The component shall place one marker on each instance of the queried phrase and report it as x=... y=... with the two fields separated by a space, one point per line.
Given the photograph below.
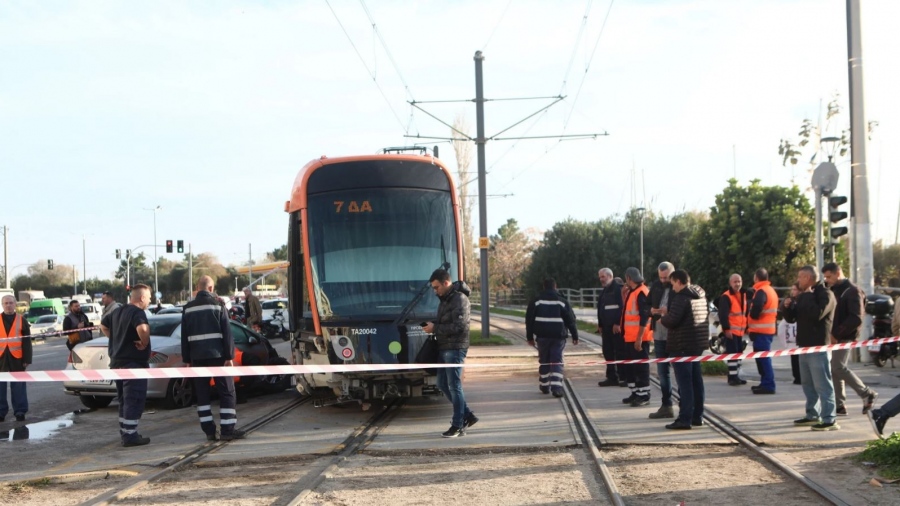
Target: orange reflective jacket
x=632 y=317
x=13 y=340
x=766 y=323
x=737 y=314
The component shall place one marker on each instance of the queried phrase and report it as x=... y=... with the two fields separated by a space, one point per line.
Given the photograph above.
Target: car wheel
x=179 y=393
x=880 y=361
x=280 y=382
x=95 y=402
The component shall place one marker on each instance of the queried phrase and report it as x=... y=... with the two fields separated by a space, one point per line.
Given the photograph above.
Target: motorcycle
x=236 y=313
x=275 y=327
x=881 y=308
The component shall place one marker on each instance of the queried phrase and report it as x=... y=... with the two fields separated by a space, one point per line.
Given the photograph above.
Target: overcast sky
x=209 y=109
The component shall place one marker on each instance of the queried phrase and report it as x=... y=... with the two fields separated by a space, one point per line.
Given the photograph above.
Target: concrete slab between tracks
x=511 y=410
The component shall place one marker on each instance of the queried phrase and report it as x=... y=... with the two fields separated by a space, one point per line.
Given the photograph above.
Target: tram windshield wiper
x=421 y=293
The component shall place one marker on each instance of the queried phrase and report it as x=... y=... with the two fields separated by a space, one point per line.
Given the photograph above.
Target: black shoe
x=453 y=431
x=212 y=437
x=20 y=418
x=869 y=401
x=797 y=381
x=629 y=399
x=676 y=425
x=558 y=393
x=470 y=420
x=140 y=441
x=623 y=384
x=545 y=390
x=2 y=418
x=841 y=411
x=608 y=383
x=807 y=421
x=877 y=419
x=640 y=400
x=734 y=382
x=237 y=434
x=826 y=426
x=763 y=391
x=697 y=423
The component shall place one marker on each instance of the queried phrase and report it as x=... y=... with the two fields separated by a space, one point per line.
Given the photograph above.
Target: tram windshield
x=372 y=250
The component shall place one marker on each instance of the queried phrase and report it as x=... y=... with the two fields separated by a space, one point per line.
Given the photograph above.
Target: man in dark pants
x=15 y=356
x=452 y=333
x=637 y=335
x=206 y=341
x=733 y=307
x=848 y=315
x=609 y=316
x=660 y=291
x=687 y=318
x=548 y=317
x=129 y=348
x=74 y=321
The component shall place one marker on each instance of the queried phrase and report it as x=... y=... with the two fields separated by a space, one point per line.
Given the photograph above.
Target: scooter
x=275 y=327
x=881 y=308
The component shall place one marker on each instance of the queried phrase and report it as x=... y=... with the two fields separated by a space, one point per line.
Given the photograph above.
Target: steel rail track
x=146 y=478
x=358 y=440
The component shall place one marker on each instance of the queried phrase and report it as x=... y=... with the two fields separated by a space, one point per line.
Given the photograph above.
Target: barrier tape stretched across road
x=266 y=370
x=63 y=332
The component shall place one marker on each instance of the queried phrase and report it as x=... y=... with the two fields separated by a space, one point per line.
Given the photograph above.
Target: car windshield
x=163 y=326
x=46 y=319
x=274 y=304
x=40 y=311
x=371 y=250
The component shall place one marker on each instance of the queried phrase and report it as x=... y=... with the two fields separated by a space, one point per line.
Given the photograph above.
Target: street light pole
x=155 y=257
x=642 y=210
x=84 y=263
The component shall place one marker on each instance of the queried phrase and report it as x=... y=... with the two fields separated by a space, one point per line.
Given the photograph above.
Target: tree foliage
x=886 y=260
x=573 y=251
x=509 y=256
x=751 y=227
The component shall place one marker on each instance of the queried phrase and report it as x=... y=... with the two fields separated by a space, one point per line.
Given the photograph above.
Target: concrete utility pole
x=6 y=255
x=190 y=269
x=483 y=241
x=84 y=262
x=859 y=204
x=250 y=266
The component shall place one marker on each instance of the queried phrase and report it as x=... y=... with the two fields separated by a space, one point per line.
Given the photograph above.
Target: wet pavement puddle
x=39 y=430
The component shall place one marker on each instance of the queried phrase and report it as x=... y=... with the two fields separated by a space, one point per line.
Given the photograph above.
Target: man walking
x=109 y=303
x=15 y=356
x=452 y=332
x=637 y=334
x=254 y=309
x=548 y=317
x=848 y=314
x=733 y=309
x=762 y=327
x=659 y=298
x=129 y=348
x=76 y=320
x=814 y=313
x=687 y=318
x=609 y=317
x=206 y=341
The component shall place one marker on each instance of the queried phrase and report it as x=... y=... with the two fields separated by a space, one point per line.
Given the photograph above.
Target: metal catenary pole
x=6 y=255
x=819 y=236
x=483 y=242
x=190 y=269
x=859 y=205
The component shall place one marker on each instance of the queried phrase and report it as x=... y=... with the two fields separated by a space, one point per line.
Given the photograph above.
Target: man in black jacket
x=452 y=332
x=660 y=291
x=548 y=316
x=847 y=320
x=814 y=313
x=687 y=318
x=609 y=314
x=206 y=341
x=76 y=320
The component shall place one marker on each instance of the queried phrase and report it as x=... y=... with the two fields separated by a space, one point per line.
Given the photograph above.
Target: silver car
x=47 y=324
x=165 y=351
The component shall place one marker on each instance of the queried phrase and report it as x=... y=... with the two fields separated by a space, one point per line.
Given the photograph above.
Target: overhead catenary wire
x=496 y=25
x=386 y=50
x=368 y=70
x=588 y=66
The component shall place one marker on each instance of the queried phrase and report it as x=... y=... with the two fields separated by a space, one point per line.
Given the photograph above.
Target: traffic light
x=834 y=215
x=180 y=246
x=128 y=253
x=168 y=245
x=118 y=254
x=50 y=265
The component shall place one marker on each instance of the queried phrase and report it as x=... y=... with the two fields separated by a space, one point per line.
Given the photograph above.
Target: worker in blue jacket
x=549 y=316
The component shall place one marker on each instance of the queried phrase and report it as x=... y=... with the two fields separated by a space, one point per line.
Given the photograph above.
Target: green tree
x=279 y=253
x=886 y=260
x=751 y=227
x=509 y=255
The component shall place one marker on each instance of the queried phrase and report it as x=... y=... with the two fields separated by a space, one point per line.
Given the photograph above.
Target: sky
x=208 y=109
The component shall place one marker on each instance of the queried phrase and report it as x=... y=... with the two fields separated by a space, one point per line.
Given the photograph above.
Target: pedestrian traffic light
x=168 y=245
x=180 y=246
x=834 y=215
x=50 y=265
x=118 y=254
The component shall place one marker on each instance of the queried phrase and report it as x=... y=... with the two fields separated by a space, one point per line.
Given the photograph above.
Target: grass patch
x=584 y=326
x=885 y=453
x=714 y=368
x=494 y=340
x=507 y=312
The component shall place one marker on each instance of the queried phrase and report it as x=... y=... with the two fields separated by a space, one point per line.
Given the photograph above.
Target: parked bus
x=365 y=234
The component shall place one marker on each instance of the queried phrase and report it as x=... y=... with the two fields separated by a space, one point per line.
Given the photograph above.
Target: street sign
x=825 y=177
x=484 y=243
x=158 y=295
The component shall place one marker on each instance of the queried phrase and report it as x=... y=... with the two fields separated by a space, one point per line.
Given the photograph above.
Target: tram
x=365 y=233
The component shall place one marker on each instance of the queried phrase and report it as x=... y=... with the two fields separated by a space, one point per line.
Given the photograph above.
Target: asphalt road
x=46 y=400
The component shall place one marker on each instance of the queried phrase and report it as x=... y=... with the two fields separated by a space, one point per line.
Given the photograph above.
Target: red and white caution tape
x=63 y=332
x=266 y=370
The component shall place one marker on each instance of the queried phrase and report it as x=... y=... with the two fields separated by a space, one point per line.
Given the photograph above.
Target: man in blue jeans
x=762 y=326
x=659 y=298
x=452 y=332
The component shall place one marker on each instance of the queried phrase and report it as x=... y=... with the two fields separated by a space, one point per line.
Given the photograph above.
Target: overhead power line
x=497 y=25
x=386 y=50
x=588 y=66
x=368 y=70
